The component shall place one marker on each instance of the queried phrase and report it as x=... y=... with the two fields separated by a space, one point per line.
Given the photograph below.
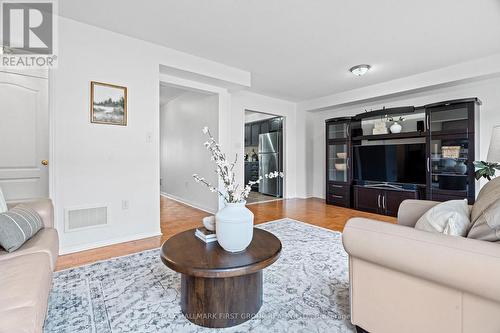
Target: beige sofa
x=26 y=276
x=407 y=280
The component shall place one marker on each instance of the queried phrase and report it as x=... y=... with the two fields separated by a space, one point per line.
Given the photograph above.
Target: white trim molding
x=118 y=240
x=188 y=203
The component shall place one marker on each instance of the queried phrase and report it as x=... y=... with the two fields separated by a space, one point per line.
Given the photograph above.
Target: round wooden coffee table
x=218 y=288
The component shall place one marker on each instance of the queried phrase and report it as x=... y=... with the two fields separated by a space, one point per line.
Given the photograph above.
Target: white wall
x=102 y=164
x=245 y=100
x=314 y=154
x=182 y=150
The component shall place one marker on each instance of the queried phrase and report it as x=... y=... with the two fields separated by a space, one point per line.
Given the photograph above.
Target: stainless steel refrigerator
x=270 y=159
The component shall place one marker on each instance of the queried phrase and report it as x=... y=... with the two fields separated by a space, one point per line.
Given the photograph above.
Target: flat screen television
x=401 y=163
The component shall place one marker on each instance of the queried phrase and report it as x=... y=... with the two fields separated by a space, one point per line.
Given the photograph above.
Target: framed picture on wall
x=108 y=104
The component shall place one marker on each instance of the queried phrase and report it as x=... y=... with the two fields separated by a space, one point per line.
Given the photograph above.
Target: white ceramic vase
x=396 y=128
x=234 y=227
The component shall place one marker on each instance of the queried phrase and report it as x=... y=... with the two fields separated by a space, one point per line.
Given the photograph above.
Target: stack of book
x=205 y=235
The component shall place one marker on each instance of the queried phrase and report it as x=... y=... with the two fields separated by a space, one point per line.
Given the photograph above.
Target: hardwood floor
x=176 y=217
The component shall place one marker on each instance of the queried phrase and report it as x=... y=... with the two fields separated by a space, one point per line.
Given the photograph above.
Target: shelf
x=449 y=174
x=385 y=111
x=405 y=135
x=435 y=188
x=448 y=158
x=448 y=120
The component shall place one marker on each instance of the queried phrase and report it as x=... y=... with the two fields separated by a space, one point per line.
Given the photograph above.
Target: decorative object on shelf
x=450 y=151
x=460 y=167
x=420 y=126
x=234 y=222
x=209 y=222
x=108 y=104
x=340 y=166
x=380 y=127
x=396 y=127
x=448 y=164
x=487 y=169
x=342 y=155
x=205 y=235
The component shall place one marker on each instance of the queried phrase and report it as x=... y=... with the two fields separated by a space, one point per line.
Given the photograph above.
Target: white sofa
x=407 y=280
x=26 y=276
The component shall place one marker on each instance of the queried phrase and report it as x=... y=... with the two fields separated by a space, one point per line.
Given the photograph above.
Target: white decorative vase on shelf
x=396 y=127
x=234 y=227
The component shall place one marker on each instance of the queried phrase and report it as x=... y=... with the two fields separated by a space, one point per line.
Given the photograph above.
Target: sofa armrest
x=42 y=206
x=411 y=210
x=461 y=263
x=45 y=241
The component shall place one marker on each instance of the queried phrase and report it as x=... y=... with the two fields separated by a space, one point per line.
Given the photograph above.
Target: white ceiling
x=302 y=49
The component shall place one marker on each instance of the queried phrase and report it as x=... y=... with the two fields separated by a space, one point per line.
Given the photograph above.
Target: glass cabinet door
x=449 y=164
x=450 y=119
x=337 y=162
x=337 y=131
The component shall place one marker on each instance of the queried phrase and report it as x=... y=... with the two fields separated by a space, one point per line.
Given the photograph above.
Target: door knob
x=45 y=162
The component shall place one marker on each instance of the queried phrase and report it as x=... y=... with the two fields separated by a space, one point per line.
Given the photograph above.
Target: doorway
x=264 y=153
x=184 y=112
x=24 y=135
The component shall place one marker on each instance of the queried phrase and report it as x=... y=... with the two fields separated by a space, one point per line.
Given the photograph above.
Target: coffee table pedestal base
x=221 y=302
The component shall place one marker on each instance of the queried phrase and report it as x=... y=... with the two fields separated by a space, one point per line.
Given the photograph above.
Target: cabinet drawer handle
x=383 y=202
x=337 y=196
x=337 y=186
x=378 y=201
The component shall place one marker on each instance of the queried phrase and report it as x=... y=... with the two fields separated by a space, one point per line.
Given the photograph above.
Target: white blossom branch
x=225 y=172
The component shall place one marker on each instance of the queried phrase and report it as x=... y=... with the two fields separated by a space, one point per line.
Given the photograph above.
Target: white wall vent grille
x=86 y=217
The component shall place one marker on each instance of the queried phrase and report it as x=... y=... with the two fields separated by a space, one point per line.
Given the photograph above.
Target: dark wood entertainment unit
x=448 y=131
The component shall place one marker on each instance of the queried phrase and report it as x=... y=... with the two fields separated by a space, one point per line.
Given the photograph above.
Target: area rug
x=306 y=290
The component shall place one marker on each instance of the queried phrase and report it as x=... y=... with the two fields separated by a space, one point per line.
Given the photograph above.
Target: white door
x=24 y=136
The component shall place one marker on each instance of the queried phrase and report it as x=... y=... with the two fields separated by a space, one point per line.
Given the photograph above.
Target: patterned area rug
x=306 y=290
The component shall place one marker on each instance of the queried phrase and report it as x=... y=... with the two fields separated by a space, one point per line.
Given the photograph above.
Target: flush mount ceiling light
x=360 y=70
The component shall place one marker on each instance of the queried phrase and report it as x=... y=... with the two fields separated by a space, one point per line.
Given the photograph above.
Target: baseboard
x=94 y=245
x=188 y=203
x=310 y=197
x=305 y=197
x=265 y=201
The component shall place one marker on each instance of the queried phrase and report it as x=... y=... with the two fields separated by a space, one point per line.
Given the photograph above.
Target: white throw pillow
x=3 y=204
x=449 y=218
